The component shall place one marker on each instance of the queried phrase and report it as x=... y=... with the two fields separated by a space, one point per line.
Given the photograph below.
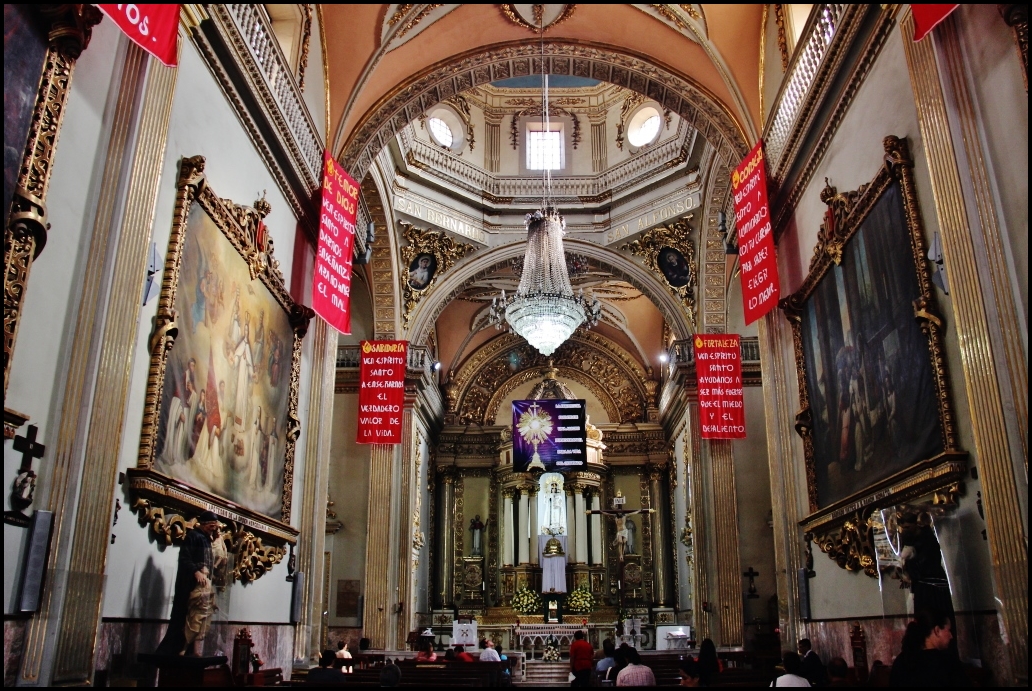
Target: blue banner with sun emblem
x=549 y=435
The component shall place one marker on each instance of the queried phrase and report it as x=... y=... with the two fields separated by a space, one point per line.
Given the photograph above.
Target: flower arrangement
x=551 y=653
x=580 y=600
x=526 y=601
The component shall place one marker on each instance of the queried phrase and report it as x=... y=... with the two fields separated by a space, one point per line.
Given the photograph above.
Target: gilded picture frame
x=255 y=358
x=669 y=251
x=876 y=417
x=426 y=256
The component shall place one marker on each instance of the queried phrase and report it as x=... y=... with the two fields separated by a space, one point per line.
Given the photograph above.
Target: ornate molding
x=25 y=233
x=535 y=23
x=677 y=236
x=593 y=359
x=700 y=109
x=441 y=247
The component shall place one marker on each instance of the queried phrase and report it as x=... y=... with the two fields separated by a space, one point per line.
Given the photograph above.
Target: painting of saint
x=421 y=271
x=674 y=267
x=865 y=354
x=225 y=399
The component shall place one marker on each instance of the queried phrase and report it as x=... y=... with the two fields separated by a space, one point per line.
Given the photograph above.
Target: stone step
x=538 y=673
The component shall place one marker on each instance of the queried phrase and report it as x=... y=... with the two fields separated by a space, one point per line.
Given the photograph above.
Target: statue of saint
x=476 y=527
x=556 y=508
x=193 y=600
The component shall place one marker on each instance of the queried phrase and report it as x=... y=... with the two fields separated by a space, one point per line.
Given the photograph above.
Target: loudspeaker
x=297 y=597
x=34 y=569
x=804 y=594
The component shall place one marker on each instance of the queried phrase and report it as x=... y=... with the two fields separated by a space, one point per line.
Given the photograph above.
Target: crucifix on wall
x=24 y=486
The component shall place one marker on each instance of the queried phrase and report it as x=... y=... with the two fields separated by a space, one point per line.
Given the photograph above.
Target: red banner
x=381 y=393
x=331 y=283
x=759 y=266
x=152 y=27
x=927 y=17
x=718 y=366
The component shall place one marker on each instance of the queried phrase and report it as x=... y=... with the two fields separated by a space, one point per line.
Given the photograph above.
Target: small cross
x=751 y=574
x=29 y=448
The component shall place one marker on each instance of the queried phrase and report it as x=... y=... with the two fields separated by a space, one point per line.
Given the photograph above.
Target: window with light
x=544 y=148
x=440 y=131
x=644 y=127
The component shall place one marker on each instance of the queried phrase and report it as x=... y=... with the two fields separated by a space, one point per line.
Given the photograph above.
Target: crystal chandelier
x=544 y=309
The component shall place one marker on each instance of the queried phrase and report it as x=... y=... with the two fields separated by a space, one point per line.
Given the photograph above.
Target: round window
x=644 y=126
x=441 y=133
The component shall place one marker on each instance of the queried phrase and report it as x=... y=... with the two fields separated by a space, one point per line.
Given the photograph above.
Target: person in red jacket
x=581 y=658
x=461 y=655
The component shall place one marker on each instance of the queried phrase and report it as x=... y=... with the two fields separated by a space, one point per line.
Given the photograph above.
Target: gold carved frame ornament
x=844 y=529
x=257 y=541
x=445 y=252
x=677 y=236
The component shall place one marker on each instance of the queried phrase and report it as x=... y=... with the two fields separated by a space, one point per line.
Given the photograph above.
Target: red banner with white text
x=381 y=392
x=761 y=287
x=152 y=27
x=331 y=281
x=718 y=368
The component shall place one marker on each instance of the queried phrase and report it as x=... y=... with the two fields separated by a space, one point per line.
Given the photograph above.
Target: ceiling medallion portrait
x=537 y=18
x=426 y=255
x=669 y=251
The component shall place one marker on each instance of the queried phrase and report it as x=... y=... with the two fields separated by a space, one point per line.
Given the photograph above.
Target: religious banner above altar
x=331 y=282
x=761 y=286
x=549 y=435
x=381 y=392
x=718 y=366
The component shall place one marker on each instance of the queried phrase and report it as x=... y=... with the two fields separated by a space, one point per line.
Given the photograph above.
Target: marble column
x=596 y=530
x=580 y=520
x=507 y=527
x=661 y=546
x=571 y=527
x=446 y=539
x=532 y=527
x=521 y=527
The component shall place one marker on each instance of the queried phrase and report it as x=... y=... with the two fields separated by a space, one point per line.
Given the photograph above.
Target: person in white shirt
x=793 y=666
x=489 y=654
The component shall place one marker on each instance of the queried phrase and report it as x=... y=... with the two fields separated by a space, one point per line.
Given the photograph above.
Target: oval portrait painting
x=421 y=271
x=674 y=267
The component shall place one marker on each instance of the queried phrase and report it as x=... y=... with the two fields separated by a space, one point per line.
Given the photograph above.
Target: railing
x=441 y=163
x=256 y=33
x=802 y=73
x=682 y=352
x=419 y=358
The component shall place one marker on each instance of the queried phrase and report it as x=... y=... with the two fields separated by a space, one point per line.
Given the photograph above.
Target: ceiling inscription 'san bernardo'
x=439 y=216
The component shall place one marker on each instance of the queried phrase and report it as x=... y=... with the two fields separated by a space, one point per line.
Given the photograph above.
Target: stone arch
x=605 y=368
x=572 y=373
x=619 y=66
x=480 y=265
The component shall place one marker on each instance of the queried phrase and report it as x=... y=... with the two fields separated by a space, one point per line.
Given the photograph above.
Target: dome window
x=441 y=132
x=644 y=127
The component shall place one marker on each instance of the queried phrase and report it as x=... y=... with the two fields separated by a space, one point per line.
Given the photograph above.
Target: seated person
x=324 y=673
x=343 y=654
x=461 y=655
x=390 y=676
x=608 y=659
x=489 y=654
x=793 y=675
x=838 y=673
x=689 y=671
x=427 y=653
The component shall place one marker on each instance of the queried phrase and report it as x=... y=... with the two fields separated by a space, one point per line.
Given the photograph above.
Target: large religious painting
x=876 y=418
x=221 y=417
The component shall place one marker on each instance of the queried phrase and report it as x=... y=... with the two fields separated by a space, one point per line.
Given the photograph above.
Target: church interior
x=547 y=220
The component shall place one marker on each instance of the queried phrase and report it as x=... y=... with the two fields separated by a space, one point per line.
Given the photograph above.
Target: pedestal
x=179 y=670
